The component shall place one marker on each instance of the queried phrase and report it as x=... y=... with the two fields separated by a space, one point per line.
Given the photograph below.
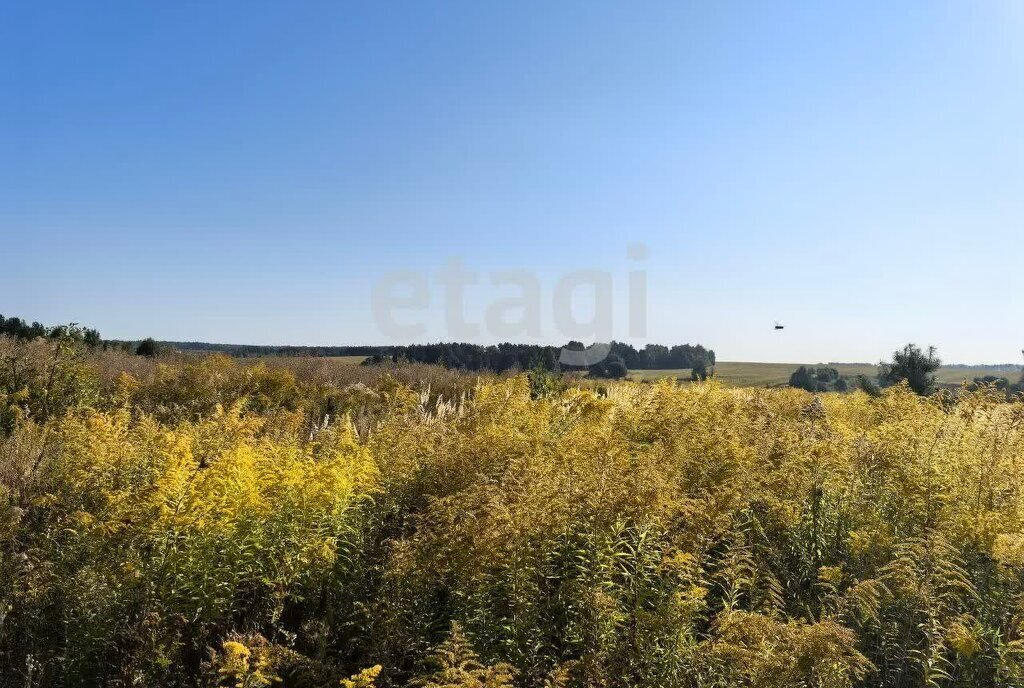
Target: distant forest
x=460 y=356
x=464 y=356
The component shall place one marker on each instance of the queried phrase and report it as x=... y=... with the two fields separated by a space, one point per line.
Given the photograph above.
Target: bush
x=823 y=379
x=42 y=379
x=701 y=370
x=148 y=347
x=612 y=367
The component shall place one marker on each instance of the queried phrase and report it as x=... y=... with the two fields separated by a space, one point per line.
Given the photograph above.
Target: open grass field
x=748 y=374
x=352 y=360
x=754 y=374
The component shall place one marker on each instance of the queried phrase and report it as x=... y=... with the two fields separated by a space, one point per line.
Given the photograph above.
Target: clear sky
x=248 y=172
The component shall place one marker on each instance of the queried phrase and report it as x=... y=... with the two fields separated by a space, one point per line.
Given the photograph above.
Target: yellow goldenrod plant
x=199 y=521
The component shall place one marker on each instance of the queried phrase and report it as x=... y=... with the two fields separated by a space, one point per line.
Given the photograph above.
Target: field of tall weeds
x=199 y=522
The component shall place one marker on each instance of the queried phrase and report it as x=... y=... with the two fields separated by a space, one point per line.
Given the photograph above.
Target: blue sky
x=248 y=172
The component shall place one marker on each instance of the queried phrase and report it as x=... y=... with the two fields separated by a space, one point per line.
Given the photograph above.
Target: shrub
x=823 y=379
x=148 y=347
x=42 y=379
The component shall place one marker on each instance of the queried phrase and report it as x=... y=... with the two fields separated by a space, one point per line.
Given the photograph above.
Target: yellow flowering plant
x=212 y=523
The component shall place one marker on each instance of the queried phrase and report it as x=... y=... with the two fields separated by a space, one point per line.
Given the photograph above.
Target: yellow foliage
x=651 y=535
x=367 y=678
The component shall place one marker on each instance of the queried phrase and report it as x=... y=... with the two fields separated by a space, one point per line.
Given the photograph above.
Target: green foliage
x=612 y=367
x=148 y=347
x=700 y=370
x=545 y=383
x=822 y=379
x=17 y=328
x=913 y=366
x=455 y=664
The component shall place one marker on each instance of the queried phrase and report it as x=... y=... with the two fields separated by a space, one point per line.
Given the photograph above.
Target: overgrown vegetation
x=194 y=521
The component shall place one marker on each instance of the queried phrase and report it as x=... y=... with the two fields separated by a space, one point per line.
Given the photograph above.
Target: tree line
x=259 y=350
x=22 y=329
x=499 y=358
x=465 y=356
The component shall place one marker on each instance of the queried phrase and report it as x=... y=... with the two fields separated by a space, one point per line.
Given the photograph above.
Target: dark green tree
x=613 y=366
x=912 y=365
x=701 y=369
x=148 y=347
